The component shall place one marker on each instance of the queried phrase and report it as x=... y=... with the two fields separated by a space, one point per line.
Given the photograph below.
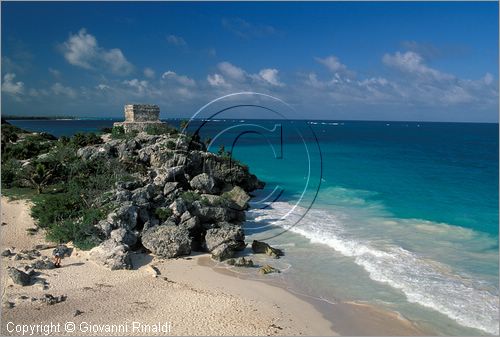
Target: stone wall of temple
x=142 y=113
x=138 y=117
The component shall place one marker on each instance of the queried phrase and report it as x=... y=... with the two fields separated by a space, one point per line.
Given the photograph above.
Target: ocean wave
x=427 y=282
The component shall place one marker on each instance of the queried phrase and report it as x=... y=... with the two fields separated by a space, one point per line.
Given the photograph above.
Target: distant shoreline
x=14 y=117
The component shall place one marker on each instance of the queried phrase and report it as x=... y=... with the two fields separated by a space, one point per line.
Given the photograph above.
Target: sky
x=411 y=61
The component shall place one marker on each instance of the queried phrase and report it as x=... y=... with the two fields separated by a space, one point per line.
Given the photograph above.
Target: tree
x=38 y=176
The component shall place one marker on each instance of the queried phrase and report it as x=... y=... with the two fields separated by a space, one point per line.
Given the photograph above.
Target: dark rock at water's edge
x=260 y=247
x=180 y=199
x=240 y=262
x=267 y=269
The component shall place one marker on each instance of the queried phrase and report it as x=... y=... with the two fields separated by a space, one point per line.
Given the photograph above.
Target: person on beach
x=57 y=256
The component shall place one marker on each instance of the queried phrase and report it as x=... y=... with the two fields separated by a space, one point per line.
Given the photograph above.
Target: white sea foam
x=428 y=282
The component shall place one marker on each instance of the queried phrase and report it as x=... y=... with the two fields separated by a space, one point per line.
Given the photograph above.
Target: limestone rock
x=112 y=254
x=167 y=241
x=204 y=183
x=260 y=247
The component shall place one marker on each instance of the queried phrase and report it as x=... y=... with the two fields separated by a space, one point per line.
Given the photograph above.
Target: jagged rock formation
x=181 y=199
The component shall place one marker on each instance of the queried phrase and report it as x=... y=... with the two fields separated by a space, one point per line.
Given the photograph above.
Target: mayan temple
x=140 y=116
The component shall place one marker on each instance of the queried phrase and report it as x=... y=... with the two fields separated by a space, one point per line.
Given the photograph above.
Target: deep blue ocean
x=403 y=215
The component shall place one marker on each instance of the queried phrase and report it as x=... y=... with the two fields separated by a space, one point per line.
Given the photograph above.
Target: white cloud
x=412 y=63
x=141 y=87
x=103 y=86
x=10 y=87
x=231 y=71
x=181 y=79
x=176 y=40
x=270 y=76
x=149 y=73
x=82 y=50
x=59 y=89
x=332 y=63
x=115 y=59
x=216 y=80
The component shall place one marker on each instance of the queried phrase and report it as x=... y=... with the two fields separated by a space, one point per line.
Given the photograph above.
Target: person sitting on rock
x=57 y=256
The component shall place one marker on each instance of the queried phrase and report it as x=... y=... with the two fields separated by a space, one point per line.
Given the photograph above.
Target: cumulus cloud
x=82 y=50
x=181 y=79
x=231 y=71
x=149 y=73
x=270 y=76
x=9 y=86
x=216 y=80
x=140 y=86
x=412 y=63
x=176 y=40
x=332 y=63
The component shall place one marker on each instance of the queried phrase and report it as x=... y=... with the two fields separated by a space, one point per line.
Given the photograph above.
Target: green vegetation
x=163 y=213
x=190 y=196
x=161 y=129
x=69 y=194
x=118 y=132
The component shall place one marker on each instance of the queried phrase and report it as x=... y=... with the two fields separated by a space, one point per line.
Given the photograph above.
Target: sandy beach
x=185 y=296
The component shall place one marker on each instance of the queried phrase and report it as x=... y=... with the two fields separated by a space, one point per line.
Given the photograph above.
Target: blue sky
x=369 y=61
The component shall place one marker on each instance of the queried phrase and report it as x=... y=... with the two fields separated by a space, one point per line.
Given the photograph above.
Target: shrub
x=171 y=145
x=118 y=132
x=27 y=148
x=163 y=213
x=190 y=196
x=85 y=139
x=106 y=130
x=10 y=170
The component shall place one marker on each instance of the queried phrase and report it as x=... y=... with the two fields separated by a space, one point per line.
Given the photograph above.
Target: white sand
x=191 y=296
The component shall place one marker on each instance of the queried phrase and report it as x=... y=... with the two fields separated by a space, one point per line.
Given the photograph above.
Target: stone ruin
x=138 y=117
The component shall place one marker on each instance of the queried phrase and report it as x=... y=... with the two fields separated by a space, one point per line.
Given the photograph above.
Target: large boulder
x=239 y=198
x=124 y=217
x=121 y=235
x=260 y=247
x=225 y=240
x=223 y=252
x=203 y=183
x=112 y=254
x=228 y=171
x=19 y=276
x=208 y=213
x=167 y=241
x=169 y=188
x=142 y=195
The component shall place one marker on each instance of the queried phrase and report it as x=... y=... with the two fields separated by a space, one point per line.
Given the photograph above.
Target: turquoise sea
x=403 y=215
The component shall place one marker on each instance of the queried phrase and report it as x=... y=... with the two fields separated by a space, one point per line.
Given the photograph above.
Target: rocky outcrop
x=180 y=199
x=167 y=241
x=224 y=241
x=260 y=247
x=112 y=254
